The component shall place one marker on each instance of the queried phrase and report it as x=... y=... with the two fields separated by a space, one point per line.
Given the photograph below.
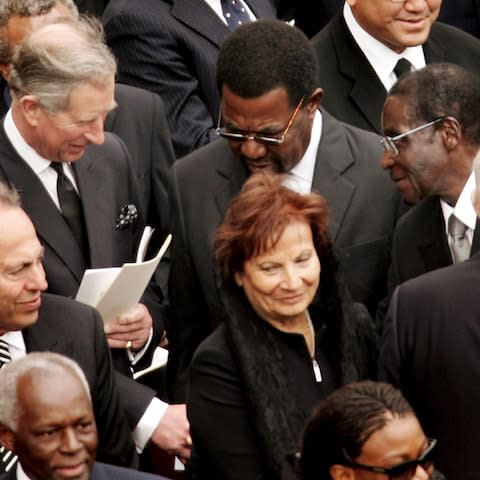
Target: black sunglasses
x=404 y=470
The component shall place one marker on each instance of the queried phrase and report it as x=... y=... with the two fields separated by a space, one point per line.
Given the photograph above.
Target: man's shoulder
x=324 y=37
x=414 y=219
x=205 y=160
x=103 y=471
x=55 y=307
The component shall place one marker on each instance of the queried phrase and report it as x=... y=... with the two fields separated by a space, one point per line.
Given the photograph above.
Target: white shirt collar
x=21 y=475
x=16 y=344
x=463 y=209
x=382 y=58
x=37 y=163
x=300 y=177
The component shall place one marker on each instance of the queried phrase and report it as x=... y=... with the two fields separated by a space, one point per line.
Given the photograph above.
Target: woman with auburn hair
x=290 y=335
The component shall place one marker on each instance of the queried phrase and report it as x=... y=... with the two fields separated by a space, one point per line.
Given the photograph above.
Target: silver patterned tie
x=7 y=458
x=458 y=240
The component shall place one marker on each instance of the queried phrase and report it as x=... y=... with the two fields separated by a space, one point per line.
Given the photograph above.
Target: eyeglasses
x=266 y=139
x=405 y=470
x=388 y=143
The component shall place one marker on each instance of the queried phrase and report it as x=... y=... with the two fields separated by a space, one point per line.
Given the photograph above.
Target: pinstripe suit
x=170 y=47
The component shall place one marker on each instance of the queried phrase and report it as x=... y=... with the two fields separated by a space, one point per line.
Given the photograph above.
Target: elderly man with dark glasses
x=366 y=431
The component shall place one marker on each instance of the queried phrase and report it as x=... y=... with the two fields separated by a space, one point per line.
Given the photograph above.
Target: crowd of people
x=322 y=188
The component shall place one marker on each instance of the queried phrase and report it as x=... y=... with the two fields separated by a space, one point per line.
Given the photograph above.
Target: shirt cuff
x=148 y=423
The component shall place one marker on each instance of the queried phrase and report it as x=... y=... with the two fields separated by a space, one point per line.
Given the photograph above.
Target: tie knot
x=402 y=66
x=58 y=167
x=456 y=228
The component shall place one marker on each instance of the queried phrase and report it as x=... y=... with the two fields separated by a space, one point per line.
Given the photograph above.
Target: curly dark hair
x=261 y=56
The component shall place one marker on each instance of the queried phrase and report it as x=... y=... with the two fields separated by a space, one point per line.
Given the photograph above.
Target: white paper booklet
x=113 y=291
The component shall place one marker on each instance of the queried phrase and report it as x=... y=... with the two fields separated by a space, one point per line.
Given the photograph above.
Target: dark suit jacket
x=140 y=121
x=420 y=244
x=94 y=7
x=430 y=350
x=102 y=471
x=363 y=204
x=464 y=14
x=76 y=330
x=170 y=47
x=106 y=183
x=353 y=92
x=310 y=16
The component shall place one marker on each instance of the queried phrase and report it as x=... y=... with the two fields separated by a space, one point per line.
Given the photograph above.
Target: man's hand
x=131 y=329
x=173 y=432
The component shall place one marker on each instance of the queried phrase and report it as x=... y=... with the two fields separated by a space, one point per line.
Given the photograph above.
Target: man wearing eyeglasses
x=270 y=120
x=432 y=134
x=365 y=48
x=429 y=347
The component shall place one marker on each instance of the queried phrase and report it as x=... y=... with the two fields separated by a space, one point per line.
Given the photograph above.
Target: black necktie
x=71 y=207
x=235 y=13
x=7 y=458
x=402 y=66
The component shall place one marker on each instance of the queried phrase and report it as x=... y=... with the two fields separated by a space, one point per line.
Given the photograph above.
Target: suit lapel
x=434 y=49
x=333 y=158
x=432 y=243
x=231 y=175
x=367 y=91
x=37 y=203
x=201 y=18
x=95 y=210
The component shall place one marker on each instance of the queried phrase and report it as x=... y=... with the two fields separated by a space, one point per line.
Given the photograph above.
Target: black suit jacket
x=102 y=471
x=420 y=243
x=353 y=92
x=363 y=206
x=464 y=14
x=170 y=47
x=76 y=331
x=106 y=183
x=429 y=350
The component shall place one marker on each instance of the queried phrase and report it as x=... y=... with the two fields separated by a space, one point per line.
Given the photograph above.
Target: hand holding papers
x=114 y=290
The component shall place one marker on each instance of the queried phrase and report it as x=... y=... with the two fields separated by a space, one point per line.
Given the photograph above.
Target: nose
x=415 y=5
x=387 y=161
x=252 y=149
x=292 y=280
x=37 y=280
x=70 y=442
x=95 y=132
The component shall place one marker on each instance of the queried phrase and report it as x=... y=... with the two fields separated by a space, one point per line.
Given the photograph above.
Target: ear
x=237 y=276
x=451 y=133
x=7 y=437
x=31 y=109
x=341 y=472
x=314 y=101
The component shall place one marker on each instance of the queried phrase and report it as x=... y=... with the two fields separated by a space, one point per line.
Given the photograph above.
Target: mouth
x=72 y=471
x=31 y=305
x=292 y=299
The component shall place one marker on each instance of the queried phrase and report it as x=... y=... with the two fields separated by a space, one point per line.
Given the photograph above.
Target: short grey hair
x=9 y=197
x=30 y=366
x=26 y=8
x=50 y=70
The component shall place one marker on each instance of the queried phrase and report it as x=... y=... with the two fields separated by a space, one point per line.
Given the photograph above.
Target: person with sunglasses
x=366 y=431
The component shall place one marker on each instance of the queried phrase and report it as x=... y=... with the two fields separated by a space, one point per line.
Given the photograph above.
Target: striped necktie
x=7 y=458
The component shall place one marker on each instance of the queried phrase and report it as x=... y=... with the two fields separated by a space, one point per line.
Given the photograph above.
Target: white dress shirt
x=300 y=177
x=382 y=58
